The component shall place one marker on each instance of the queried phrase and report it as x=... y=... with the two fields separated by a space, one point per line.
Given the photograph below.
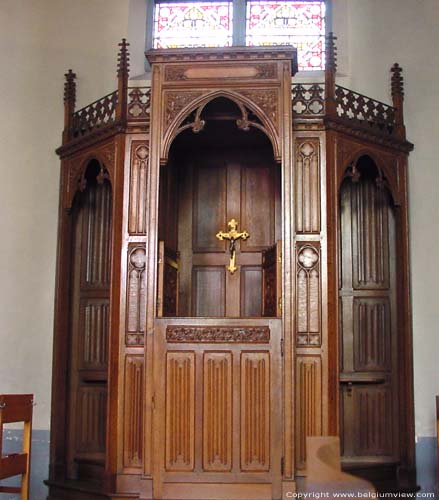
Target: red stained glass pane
x=298 y=23
x=192 y=24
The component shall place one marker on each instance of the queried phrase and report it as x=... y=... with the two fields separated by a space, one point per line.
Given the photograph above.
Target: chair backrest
x=16 y=408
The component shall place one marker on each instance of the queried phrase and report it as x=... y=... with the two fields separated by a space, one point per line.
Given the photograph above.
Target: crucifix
x=232 y=236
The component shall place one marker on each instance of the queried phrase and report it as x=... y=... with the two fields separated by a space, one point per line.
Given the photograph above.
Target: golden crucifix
x=232 y=236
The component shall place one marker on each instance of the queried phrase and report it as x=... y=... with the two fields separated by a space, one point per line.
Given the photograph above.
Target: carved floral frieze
x=216 y=334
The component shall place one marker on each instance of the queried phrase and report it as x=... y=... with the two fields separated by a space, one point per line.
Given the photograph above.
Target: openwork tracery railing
x=364 y=111
x=308 y=99
x=98 y=114
x=139 y=101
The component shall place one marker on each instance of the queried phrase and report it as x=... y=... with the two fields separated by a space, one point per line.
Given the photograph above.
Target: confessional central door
x=218 y=410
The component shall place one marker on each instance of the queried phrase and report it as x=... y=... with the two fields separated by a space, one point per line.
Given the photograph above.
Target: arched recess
x=220 y=167
x=252 y=115
x=369 y=344
x=384 y=169
x=89 y=262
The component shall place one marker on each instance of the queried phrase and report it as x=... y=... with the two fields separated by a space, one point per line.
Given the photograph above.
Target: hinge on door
x=282 y=466
x=281 y=347
x=279 y=303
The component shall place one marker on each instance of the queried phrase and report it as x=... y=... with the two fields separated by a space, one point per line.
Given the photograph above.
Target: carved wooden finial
x=397 y=88
x=123 y=66
x=123 y=70
x=331 y=53
x=70 y=87
x=69 y=102
x=397 y=81
x=330 y=69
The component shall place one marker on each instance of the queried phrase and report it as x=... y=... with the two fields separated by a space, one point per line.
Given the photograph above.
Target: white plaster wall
x=42 y=38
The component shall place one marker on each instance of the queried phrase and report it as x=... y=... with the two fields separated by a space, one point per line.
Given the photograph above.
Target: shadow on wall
x=39 y=462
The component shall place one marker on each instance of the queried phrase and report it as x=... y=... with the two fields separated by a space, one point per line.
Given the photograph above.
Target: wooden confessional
x=232 y=278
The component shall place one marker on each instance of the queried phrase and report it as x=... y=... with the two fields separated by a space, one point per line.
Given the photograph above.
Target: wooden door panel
x=208 y=291
x=217 y=411
x=209 y=208
x=180 y=411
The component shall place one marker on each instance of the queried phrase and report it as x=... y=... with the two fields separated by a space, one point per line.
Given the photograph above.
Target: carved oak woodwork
x=177 y=379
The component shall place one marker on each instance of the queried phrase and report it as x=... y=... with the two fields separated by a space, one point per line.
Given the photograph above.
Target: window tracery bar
x=298 y=23
x=193 y=24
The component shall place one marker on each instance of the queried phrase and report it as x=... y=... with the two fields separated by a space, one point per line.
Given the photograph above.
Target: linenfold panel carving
x=133 y=416
x=92 y=402
x=180 y=411
x=308 y=403
x=372 y=334
x=374 y=433
x=371 y=229
x=94 y=317
x=217 y=411
x=255 y=411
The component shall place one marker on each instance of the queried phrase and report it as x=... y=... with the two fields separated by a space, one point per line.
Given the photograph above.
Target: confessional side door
x=368 y=374
x=89 y=326
x=217 y=408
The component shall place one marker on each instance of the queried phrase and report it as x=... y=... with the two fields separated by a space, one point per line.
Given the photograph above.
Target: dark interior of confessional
x=218 y=174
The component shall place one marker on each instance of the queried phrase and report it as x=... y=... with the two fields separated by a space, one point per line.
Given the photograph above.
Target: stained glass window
x=192 y=24
x=298 y=23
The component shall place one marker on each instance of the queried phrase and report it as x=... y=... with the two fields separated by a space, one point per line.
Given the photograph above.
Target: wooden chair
x=16 y=408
